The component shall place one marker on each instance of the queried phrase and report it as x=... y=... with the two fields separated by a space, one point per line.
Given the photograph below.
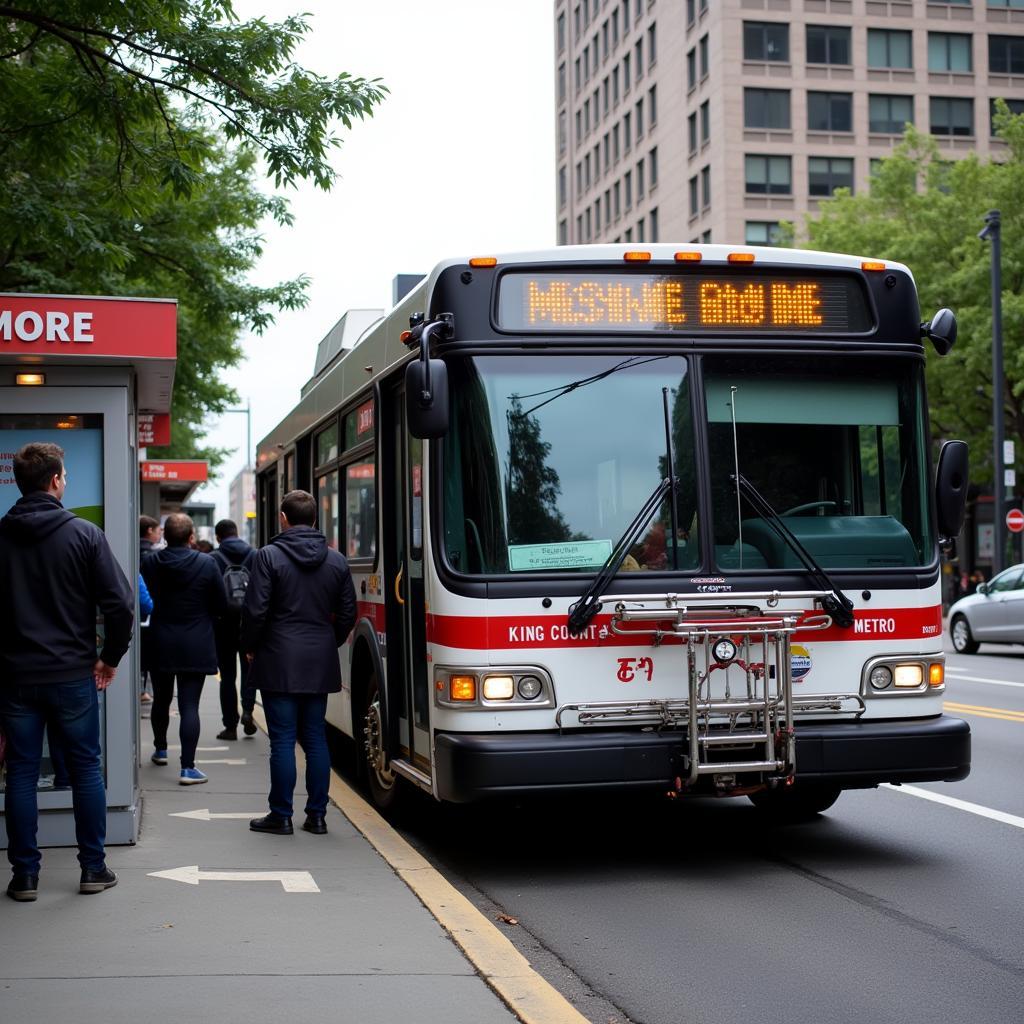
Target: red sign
x=90 y=326
x=364 y=418
x=154 y=428
x=194 y=471
x=1015 y=520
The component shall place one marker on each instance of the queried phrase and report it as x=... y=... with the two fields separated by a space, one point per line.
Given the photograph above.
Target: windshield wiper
x=589 y=603
x=836 y=603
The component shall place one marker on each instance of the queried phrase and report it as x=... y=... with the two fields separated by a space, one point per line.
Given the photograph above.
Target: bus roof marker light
x=872 y=265
x=29 y=380
x=483 y=261
x=634 y=256
x=740 y=257
x=688 y=257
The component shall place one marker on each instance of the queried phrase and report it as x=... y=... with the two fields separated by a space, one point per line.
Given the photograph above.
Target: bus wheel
x=960 y=633
x=797 y=802
x=384 y=785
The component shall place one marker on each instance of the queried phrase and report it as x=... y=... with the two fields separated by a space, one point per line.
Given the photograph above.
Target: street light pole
x=991 y=232
x=247 y=413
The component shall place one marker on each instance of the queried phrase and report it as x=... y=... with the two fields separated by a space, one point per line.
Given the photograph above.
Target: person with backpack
x=234 y=559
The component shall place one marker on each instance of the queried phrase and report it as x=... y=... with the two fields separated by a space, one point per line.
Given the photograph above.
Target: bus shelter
x=80 y=371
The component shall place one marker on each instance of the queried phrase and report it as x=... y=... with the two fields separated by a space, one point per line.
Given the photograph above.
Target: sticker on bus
x=800 y=662
x=573 y=554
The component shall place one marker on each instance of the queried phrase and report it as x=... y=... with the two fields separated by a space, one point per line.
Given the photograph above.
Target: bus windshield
x=549 y=459
x=837 y=450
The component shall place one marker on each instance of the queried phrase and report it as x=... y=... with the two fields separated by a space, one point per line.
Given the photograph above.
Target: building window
x=769 y=175
x=653 y=220
x=615 y=144
x=615 y=86
x=694 y=197
x=627 y=188
x=951 y=116
x=652 y=45
x=605 y=96
x=949 y=51
x=766 y=108
x=579 y=177
x=1016 y=107
x=1006 y=55
x=691 y=69
x=703 y=57
x=762 y=232
x=652 y=107
x=627 y=82
x=705 y=121
x=638 y=56
x=705 y=187
x=627 y=132
x=706 y=237
x=640 y=118
x=652 y=166
x=588 y=221
x=691 y=11
x=829 y=112
x=640 y=230
x=640 y=179
x=607 y=152
x=563 y=187
x=889 y=115
x=889 y=48
x=561 y=83
x=578 y=75
x=1016 y=4
x=691 y=128
x=827 y=44
x=617 y=192
x=597 y=215
x=562 y=140
x=561 y=32
x=563 y=233
x=826 y=174
x=765 y=41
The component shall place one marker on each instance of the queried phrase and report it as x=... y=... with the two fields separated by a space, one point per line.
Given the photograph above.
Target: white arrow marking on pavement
x=223 y=760
x=292 y=881
x=207 y=815
x=205 y=750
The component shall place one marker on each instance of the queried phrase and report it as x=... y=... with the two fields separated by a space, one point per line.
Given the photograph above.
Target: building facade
x=242 y=503
x=714 y=120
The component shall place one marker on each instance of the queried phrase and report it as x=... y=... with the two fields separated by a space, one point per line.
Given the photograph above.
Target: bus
x=638 y=520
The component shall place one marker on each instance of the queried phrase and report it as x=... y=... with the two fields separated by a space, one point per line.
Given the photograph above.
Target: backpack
x=236 y=582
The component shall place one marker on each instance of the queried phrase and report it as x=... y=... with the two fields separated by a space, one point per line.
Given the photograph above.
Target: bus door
x=408 y=678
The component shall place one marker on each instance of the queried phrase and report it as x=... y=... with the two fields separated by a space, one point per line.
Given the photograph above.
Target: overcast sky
x=458 y=160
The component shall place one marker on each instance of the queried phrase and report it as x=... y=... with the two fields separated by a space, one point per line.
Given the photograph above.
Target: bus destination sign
x=691 y=303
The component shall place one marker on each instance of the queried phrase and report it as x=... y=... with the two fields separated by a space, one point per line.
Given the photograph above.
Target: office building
x=242 y=503
x=714 y=120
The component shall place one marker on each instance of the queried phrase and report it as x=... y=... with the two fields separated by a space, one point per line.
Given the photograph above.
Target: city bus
x=638 y=520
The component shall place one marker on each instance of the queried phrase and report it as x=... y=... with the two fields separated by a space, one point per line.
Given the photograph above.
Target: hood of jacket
x=34 y=517
x=306 y=547
x=179 y=566
x=235 y=550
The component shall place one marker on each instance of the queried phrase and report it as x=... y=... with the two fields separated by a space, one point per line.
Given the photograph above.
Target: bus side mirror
x=941 y=331
x=951 y=488
x=426 y=398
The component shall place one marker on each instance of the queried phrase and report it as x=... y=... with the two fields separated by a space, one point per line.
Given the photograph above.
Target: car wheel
x=960 y=634
x=797 y=802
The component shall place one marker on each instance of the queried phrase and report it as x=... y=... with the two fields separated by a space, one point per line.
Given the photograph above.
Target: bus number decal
x=630 y=668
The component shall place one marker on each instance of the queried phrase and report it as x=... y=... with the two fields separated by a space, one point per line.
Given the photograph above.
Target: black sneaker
x=273 y=823
x=316 y=824
x=96 y=881
x=228 y=734
x=23 y=888
x=248 y=724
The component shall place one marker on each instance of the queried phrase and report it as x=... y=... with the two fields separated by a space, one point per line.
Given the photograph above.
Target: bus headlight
x=498 y=687
x=881 y=677
x=530 y=687
x=908 y=676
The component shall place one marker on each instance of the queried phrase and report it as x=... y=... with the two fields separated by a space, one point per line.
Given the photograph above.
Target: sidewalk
x=194 y=948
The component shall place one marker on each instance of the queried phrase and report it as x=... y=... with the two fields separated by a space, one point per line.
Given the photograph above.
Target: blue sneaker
x=159 y=757
x=191 y=777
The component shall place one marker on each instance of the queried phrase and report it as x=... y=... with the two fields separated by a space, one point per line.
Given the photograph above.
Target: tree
x=926 y=212
x=131 y=139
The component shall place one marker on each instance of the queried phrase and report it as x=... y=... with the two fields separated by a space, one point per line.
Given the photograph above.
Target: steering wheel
x=811 y=506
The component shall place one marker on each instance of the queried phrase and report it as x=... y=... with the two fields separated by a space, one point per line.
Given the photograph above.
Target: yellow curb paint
x=532 y=999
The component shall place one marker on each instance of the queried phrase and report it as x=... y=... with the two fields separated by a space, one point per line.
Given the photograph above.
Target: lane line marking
x=981 y=679
x=502 y=967
x=960 y=805
x=980 y=712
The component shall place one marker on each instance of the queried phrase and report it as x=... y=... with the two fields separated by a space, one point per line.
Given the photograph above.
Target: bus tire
x=384 y=786
x=963 y=639
x=797 y=802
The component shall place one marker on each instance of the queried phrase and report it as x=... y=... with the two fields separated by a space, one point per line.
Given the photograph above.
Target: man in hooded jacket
x=188 y=601
x=56 y=570
x=300 y=607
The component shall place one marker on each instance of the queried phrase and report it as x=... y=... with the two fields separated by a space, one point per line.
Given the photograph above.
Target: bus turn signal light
x=636 y=257
x=463 y=688
x=483 y=261
x=936 y=674
x=741 y=257
x=872 y=265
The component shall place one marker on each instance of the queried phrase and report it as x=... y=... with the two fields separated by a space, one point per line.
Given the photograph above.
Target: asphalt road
x=889 y=907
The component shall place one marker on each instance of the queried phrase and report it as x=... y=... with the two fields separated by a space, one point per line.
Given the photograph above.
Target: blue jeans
x=24 y=712
x=291 y=717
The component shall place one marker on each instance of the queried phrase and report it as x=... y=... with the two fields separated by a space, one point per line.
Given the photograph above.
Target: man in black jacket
x=299 y=609
x=56 y=570
x=233 y=556
x=188 y=600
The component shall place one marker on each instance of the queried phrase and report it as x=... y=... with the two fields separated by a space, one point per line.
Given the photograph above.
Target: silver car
x=993 y=615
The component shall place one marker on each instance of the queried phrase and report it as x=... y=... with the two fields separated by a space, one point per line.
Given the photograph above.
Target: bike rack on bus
x=745 y=729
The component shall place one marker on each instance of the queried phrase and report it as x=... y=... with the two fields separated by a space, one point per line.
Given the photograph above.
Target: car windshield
x=838 y=450
x=550 y=458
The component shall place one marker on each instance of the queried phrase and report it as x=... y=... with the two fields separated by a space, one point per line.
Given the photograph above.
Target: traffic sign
x=1015 y=520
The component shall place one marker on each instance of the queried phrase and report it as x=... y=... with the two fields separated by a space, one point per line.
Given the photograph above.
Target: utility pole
x=247 y=413
x=991 y=232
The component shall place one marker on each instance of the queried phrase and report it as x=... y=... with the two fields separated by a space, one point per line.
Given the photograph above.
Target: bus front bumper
x=852 y=755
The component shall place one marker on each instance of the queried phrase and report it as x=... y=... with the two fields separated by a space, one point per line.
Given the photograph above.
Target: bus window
x=327 y=499
x=360 y=510
x=550 y=458
x=838 y=452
